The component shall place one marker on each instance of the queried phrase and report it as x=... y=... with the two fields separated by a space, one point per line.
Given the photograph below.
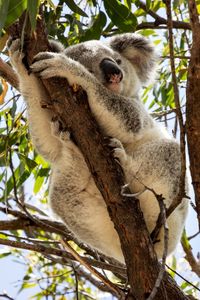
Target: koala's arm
x=117 y=115
x=39 y=119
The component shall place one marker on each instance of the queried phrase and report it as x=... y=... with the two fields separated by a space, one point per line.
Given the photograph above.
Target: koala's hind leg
x=154 y=168
x=75 y=198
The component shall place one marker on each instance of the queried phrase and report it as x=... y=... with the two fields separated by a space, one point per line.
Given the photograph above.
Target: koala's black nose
x=111 y=71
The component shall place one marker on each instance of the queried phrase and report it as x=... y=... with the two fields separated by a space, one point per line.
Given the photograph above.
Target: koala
x=112 y=72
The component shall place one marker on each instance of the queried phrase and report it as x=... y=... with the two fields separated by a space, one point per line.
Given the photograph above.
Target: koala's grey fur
x=112 y=74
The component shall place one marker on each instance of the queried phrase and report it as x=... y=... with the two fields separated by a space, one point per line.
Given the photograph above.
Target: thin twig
x=57 y=252
x=181 y=192
x=76 y=281
x=6 y=296
x=194 y=286
x=194 y=264
x=52 y=226
x=194 y=235
x=92 y=280
x=107 y=282
x=160 y=20
x=30 y=240
x=162 y=206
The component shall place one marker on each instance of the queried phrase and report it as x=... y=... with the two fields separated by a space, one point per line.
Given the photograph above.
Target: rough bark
x=193 y=105
x=74 y=113
x=7 y=73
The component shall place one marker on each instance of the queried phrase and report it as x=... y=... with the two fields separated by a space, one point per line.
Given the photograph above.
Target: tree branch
x=91 y=279
x=190 y=257
x=60 y=253
x=24 y=222
x=181 y=192
x=119 y=293
x=8 y=74
x=162 y=21
x=193 y=105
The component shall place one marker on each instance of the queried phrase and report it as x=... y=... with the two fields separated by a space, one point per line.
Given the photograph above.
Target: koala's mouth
x=114 y=78
x=113 y=83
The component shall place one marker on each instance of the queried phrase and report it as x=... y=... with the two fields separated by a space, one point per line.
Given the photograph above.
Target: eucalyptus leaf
x=32 y=7
x=120 y=15
x=3 y=12
x=75 y=8
x=15 y=10
x=95 y=31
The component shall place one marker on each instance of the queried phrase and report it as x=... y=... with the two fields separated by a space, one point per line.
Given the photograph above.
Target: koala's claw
x=106 y=141
x=13 y=45
x=118 y=151
x=46 y=64
x=16 y=56
x=42 y=56
x=56 y=131
x=115 y=143
x=55 y=127
x=65 y=136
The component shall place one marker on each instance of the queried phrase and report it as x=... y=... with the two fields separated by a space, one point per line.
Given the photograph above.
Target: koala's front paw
x=48 y=64
x=57 y=131
x=118 y=151
x=13 y=46
x=16 y=56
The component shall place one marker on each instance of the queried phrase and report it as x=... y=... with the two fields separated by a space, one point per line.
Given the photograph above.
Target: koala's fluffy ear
x=138 y=50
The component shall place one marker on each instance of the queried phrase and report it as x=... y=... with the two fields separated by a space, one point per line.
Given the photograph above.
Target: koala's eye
x=118 y=61
x=92 y=72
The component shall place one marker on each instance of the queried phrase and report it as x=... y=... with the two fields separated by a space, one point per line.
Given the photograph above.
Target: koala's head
x=123 y=63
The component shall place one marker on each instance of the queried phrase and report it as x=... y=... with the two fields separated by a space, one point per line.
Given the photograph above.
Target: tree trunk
x=193 y=105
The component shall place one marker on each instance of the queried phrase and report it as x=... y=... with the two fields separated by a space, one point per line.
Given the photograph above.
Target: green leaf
x=184 y=285
x=15 y=10
x=26 y=285
x=156 y=5
x=75 y=8
x=95 y=31
x=3 y=236
x=40 y=177
x=2 y=255
x=38 y=184
x=176 y=3
x=13 y=109
x=23 y=178
x=184 y=240
x=153 y=102
x=1 y=88
x=148 y=4
x=2 y=174
x=128 y=3
x=21 y=174
x=29 y=163
x=32 y=7
x=173 y=267
x=120 y=15
x=3 y=12
x=147 y=32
